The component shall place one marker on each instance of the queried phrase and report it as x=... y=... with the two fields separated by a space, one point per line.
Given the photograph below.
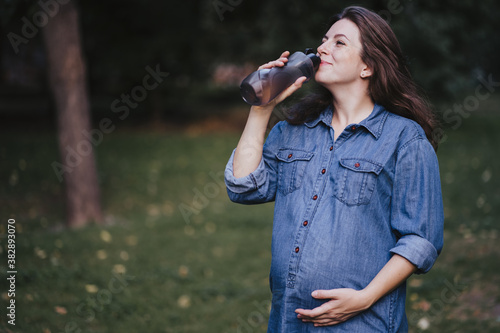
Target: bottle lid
x=314 y=58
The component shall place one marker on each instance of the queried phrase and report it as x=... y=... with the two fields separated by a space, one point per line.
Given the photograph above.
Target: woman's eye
x=339 y=42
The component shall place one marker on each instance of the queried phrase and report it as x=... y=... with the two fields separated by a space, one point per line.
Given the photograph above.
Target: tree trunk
x=67 y=75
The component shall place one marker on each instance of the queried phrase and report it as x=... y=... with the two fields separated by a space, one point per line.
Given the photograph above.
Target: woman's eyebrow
x=336 y=36
x=340 y=35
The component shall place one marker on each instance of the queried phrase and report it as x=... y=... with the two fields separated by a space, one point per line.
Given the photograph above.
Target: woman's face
x=340 y=54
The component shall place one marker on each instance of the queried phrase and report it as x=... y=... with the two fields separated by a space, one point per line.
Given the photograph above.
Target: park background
x=157 y=245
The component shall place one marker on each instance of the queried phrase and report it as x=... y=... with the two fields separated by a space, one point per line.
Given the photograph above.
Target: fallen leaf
x=183 y=271
x=105 y=236
x=61 y=310
x=210 y=227
x=486 y=176
x=119 y=269
x=424 y=305
x=414 y=282
x=91 y=288
x=153 y=210
x=423 y=324
x=124 y=255
x=40 y=253
x=101 y=254
x=184 y=301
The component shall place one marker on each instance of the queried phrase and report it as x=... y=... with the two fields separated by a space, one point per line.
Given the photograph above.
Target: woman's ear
x=366 y=72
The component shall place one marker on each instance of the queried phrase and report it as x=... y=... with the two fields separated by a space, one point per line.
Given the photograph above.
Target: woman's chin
x=321 y=80
x=323 y=77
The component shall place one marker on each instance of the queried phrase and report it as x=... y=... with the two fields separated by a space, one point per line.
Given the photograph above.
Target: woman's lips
x=325 y=63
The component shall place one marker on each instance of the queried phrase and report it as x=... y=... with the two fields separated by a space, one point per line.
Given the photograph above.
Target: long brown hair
x=390 y=85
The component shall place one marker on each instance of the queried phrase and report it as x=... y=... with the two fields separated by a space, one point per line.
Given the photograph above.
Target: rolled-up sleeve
x=417 y=206
x=260 y=185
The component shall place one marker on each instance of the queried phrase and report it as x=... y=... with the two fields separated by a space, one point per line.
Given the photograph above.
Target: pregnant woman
x=355 y=180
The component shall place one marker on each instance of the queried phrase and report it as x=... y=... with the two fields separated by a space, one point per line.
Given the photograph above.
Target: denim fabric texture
x=342 y=209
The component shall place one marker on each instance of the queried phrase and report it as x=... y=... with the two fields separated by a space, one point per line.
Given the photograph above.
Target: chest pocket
x=355 y=180
x=292 y=164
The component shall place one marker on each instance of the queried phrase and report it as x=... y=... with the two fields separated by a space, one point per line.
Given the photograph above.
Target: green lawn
x=155 y=269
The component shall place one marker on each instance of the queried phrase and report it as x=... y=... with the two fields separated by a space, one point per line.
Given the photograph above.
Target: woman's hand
x=344 y=303
x=249 y=150
x=280 y=62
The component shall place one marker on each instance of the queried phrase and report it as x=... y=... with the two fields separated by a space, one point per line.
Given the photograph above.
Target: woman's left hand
x=344 y=303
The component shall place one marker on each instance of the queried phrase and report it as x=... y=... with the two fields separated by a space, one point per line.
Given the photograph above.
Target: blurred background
x=117 y=119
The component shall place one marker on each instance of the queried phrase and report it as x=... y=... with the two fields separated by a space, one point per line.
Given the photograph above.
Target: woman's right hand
x=249 y=150
x=280 y=62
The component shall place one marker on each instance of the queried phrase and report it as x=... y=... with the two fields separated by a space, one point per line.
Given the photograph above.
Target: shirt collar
x=374 y=123
x=325 y=117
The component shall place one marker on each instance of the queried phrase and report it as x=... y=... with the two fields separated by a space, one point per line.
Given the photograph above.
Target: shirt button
x=305 y=223
x=297 y=249
x=357 y=164
x=315 y=197
x=331 y=148
x=290 y=156
x=353 y=128
x=323 y=171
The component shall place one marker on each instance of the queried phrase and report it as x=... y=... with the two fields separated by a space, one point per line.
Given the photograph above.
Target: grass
x=207 y=270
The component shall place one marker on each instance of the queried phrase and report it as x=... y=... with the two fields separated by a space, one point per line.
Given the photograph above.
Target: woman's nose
x=322 y=49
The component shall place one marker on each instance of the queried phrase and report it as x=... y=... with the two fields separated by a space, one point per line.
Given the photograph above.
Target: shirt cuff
x=248 y=183
x=416 y=250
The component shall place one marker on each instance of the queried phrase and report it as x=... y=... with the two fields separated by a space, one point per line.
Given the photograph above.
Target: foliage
x=445 y=41
x=448 y=43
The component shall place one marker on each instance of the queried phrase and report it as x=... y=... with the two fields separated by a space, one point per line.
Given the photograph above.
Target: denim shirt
x=342 y=208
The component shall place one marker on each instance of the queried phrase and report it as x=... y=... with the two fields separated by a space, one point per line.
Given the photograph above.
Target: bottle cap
x=314 y=58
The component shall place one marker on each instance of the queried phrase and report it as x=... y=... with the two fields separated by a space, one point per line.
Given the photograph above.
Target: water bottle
x=262 y=86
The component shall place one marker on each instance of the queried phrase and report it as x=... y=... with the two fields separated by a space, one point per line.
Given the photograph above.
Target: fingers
x=339 y=293
x=298 y=83
x=316 y=312
x=323 y=322
x=290 y=90
x=343 y=305
x=280 y=62
x=285 y=54
x=325 y=318
x=294 y=87
x=322 y=294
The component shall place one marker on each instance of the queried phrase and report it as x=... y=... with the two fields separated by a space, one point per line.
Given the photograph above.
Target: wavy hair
x=390 y=85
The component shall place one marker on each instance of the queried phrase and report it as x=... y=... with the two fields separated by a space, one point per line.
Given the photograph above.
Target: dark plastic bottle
x=262 y=86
